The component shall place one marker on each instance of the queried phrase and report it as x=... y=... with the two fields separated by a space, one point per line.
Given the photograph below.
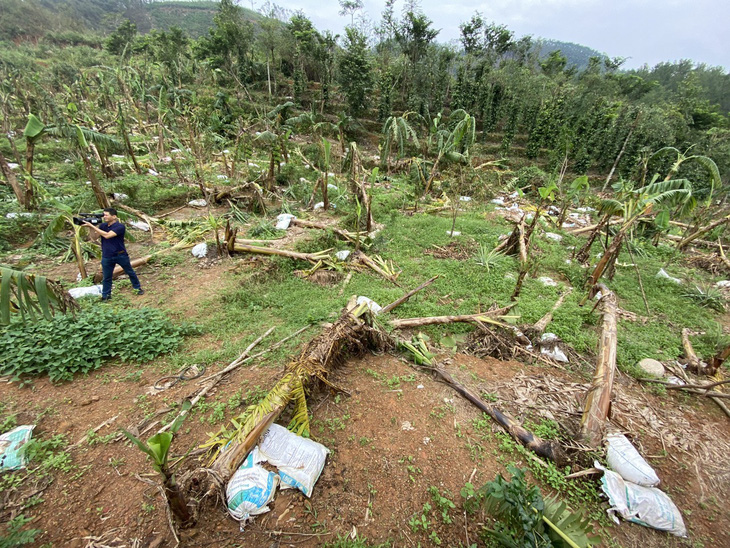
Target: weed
x=443 y=503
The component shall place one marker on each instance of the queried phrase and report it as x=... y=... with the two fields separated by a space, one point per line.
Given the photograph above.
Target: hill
x=576 y=54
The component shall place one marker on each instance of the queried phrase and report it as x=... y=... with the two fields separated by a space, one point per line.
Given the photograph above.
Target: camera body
x=92 y=218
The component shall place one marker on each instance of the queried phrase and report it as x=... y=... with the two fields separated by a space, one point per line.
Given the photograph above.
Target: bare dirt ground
x=396 y=435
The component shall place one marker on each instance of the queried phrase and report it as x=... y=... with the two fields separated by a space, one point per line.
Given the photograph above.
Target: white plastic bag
x=624 y=459
x=250 y=489
x=78 y=292
x=283 y=221
x=299 y=460
x=372 y=305
x=200 y=250
x=198 y=203
x=643 y=505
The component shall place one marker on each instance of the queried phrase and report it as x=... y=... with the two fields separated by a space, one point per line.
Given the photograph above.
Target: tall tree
x=356 y=75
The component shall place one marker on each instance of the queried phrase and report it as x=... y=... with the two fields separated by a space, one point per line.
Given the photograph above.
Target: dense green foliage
x=68 y=345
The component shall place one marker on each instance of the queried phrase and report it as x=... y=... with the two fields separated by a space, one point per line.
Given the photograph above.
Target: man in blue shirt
x=113 y=252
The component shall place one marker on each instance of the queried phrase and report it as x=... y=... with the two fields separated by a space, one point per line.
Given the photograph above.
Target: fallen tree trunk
x=351 y=335
x=434 y=320
x=696 y=242
x=345 y=235
x=311 y=257
x=598 y=400
x=547 y=449
x=684 y=242
x=118 y=271
x=694 y=364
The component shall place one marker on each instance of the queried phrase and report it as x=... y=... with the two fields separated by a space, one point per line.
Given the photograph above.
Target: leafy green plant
x=709 y=297
x=30 y=296
x=417 y=349
x=157 y=449
x=526 y=520
x=15 y=535
x=442 y=502
x=67 y=345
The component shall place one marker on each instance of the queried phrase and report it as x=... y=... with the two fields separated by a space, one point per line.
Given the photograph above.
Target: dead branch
x=598 y=400
x=345 y=235
x=684 y=242
x=695 y=242
x=212 y=380
x=435 y=320
x=407 y=296
x=694 y=364
x=360 y=257
x=544 y=448
x=543 y=322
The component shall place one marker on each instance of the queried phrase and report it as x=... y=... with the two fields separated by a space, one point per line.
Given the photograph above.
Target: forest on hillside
x=486 y=190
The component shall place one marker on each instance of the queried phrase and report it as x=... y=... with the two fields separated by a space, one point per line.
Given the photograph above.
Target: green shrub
x=68 y=344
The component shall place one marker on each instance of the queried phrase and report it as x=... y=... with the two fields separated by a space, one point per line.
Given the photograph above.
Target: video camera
x=92 y=218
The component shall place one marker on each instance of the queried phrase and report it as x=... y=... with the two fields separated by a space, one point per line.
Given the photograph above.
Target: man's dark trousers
x=107 y=268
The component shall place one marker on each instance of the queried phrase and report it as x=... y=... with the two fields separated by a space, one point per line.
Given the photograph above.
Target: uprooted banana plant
x=352 y=334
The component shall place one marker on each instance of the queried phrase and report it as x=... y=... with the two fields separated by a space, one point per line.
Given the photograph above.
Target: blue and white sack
x=11 y=443
x=250 y=489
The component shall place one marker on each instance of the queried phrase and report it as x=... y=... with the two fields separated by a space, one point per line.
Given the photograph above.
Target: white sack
x=299 y=460
x=643 y=505
x=624 y=459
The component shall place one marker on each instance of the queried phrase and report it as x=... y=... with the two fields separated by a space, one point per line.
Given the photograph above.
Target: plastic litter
x=78 y=292
x=198 y=203
x=120 y=196
x=152 y=172
x=332 y=187
x=498 y=201
x=283 y=220
x=12 y=165
x=372 y=305
x=250 y=489
x=721 y=283
x=553 y=236
x=624 y=459
x=14 y=215
x=200 y=250
x=318 y=205
x=453 y=233
x=299 y=460
x=549 y=347
x=343 y=255
x=11 y=458
x=465 y=198
x=221 y=177
x=544 y=280
x=646 y=506
x=663 y=274
x=140 y=225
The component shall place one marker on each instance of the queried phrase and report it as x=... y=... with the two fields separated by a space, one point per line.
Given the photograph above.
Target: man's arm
x=98 y=232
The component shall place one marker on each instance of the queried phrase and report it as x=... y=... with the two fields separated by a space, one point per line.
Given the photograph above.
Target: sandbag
x=624 y=459
x=250 y=489
x=299 y=460
x=643 y=505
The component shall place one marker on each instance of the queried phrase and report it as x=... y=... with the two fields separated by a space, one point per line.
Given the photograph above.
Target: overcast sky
x=645 y=31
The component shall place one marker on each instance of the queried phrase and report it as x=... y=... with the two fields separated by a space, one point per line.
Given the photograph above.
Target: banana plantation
x=465 y=294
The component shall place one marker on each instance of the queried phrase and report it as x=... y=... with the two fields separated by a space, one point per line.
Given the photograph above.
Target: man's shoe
x=140 y=292
x=108 y=298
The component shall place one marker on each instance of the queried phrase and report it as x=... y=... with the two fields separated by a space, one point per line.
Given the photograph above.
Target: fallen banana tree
x=598 y=400
x=549 y=449
x=352 y=334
